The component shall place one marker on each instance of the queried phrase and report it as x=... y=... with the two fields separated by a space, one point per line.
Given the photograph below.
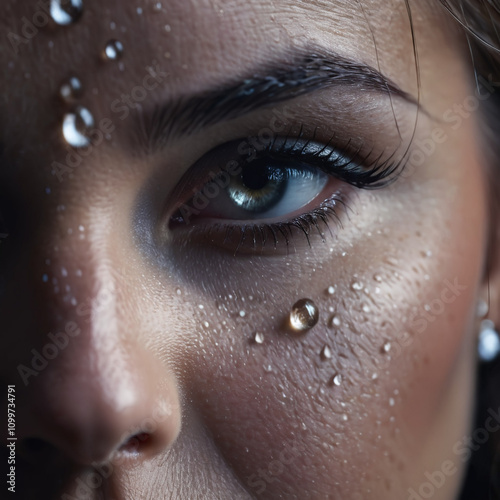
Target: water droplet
x=201 y=306
x=345 y=418
x=167 y=28
x=206 y=324
x=357 y=285
x=66 y=12
x=335 y=321
x=482 y=308
x=113 y=50
x=178 y=291
x=489 y=341
x=366 y=308
x=157 y=7
x=374 y=376
x=337 y=379
x=331 y=290
x=377 y=278
x=392 y=402
x=242 y=314
x=258 y=338
x=386 y=347
x=139 y=11
x=76 y=125
x=71 y=89
x=304 y=315
x=268 y=368
x=326 y=353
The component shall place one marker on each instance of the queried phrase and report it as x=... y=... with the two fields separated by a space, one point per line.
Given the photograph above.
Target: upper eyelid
x=373 y=174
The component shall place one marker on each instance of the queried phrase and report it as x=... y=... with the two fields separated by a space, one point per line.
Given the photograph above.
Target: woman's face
x=240 y=160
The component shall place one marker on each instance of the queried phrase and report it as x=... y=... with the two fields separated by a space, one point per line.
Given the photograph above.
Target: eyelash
x=342 y=163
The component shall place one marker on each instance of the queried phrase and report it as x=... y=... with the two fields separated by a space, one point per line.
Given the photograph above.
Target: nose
x=92 y=388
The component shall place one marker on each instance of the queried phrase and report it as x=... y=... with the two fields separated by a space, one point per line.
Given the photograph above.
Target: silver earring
x=488 y=346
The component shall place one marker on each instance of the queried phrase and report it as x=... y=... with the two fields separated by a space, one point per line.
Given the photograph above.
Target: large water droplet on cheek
x=304 y=315
x=66 y=12
x=76 y=126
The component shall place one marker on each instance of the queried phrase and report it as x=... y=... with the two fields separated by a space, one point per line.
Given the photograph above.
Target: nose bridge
x=96 y=384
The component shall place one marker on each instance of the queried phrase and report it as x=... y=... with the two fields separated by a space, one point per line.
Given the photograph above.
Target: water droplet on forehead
x=337 y=379
x=71 y=89
x=304 y=315
x=113 y=50
x=386 y=347
x=66 y=12
x=76 y=126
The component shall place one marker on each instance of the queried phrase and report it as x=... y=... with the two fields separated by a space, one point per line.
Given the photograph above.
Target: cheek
x=404 y=277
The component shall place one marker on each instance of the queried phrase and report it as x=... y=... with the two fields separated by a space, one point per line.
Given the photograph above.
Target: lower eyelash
x=259 y=235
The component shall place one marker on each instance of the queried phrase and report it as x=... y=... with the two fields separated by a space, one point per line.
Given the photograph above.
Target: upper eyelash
x=361 y=171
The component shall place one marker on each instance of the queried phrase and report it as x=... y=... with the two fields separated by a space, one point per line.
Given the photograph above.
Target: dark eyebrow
x=281 y=82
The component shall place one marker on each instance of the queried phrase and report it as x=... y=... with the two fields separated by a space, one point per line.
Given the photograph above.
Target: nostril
x=138 y=443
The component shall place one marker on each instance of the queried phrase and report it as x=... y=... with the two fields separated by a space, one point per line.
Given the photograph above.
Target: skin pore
x=161 y=385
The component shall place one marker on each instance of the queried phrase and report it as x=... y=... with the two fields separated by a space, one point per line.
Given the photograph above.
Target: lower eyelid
x=310 y=226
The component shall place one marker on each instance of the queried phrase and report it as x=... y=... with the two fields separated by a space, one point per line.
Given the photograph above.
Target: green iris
x=258 y=188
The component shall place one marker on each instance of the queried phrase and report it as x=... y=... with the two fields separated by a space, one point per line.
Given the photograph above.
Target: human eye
x=246 y=196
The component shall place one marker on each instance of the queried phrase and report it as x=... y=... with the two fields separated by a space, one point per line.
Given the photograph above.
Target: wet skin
x=160 y=380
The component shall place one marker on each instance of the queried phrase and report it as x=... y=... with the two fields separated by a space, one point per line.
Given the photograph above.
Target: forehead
x=198 y=41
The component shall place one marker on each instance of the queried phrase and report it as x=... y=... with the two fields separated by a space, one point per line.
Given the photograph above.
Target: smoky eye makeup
x=255 y=196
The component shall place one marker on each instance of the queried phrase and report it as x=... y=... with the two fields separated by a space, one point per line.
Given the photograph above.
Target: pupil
x=255 y=178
